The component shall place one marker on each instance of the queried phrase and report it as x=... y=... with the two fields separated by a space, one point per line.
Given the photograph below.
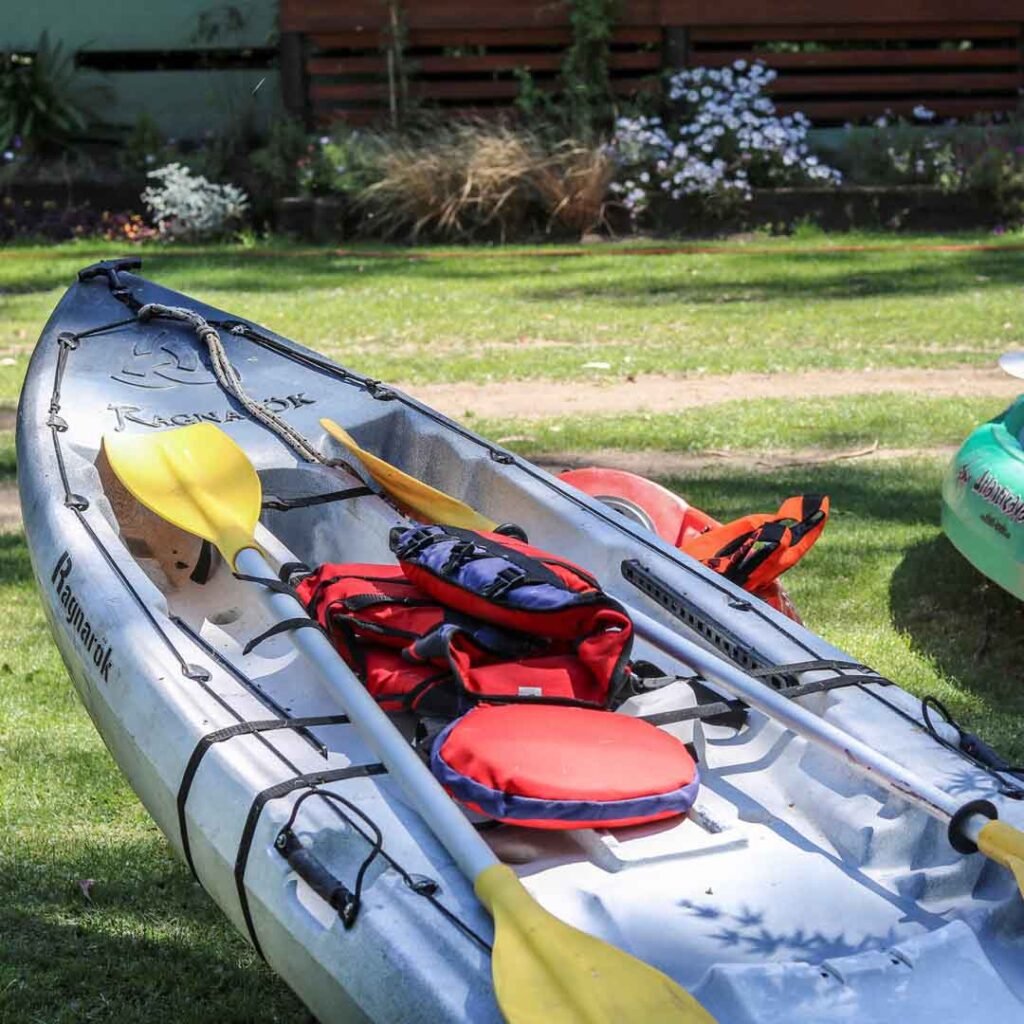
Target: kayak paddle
x=544 y=971
x=413 y=495
x=970 y=827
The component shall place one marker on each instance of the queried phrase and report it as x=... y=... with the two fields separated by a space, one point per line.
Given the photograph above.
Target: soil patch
x=545 y=399
x=678 y=464
x=10 y=507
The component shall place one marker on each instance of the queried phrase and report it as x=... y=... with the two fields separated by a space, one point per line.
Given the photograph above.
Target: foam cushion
x=563 y=767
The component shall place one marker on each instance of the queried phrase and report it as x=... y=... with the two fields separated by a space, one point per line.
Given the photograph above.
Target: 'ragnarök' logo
x=164 y=361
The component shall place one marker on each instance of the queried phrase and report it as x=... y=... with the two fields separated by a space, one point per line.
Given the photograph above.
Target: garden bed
x=850 y=208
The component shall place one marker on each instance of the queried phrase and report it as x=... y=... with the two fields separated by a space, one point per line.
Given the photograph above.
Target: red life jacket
x=416 y=651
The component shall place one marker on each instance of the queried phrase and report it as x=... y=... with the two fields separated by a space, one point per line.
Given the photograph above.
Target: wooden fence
x=844 y=60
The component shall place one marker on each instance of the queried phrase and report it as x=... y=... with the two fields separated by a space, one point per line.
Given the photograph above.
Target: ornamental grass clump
x=724 y=140
x=472 y=180
x=184 y=205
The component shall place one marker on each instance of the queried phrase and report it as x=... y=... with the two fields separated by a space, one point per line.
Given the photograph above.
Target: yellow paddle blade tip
x=547 y=971
x=411 y=495
x=1005 y=845
x=195 y=477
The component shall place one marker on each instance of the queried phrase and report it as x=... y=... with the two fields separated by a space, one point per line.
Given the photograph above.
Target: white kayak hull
x=795 y=891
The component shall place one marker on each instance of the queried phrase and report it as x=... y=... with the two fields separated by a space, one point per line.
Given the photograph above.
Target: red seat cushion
x=564 y=767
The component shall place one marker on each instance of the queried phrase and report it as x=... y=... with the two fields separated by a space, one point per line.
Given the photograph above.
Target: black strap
x=732 y=706
x=311 y=781
x=227 y=733
x=272 y=502
x=289 y=570
x=277 y=586
x=300 y=622
x=204 y=564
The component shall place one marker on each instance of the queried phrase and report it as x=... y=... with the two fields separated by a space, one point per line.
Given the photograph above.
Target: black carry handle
x=317 y=877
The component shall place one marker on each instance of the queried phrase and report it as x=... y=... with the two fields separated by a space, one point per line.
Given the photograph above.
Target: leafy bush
x=187 y=205
x=42 y=103
x=986 y=160
x=471 y=179
x=725 y=140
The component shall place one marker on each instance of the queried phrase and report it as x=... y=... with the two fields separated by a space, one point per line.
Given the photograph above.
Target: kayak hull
x=983 y=500
x=795 y=891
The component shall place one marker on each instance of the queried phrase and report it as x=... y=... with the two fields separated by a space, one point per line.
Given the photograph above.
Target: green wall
x=183 y=103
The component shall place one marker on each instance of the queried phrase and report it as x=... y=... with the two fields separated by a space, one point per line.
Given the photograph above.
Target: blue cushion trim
x=507 y=806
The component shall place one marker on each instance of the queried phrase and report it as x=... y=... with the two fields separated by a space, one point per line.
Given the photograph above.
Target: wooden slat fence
x=847 y=60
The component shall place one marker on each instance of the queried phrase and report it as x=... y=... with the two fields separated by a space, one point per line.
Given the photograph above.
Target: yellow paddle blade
x=194 y=477
x=547 y=972
x=1005 y=845
x=422 y=500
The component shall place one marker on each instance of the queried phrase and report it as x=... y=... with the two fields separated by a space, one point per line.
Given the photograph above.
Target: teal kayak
x=983 y=499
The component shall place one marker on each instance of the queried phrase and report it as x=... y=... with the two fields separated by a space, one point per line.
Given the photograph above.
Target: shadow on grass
x=971 y=629
x=139 y=949
x=759 y=277
x=865 y=492
x=262 y=271
x=800 y=276
x=15 y=566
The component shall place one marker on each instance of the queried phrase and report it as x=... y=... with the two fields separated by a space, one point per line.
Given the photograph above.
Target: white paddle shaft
x=428 y=797
x=848 y=749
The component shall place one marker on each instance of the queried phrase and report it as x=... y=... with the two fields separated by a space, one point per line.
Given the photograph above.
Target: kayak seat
x=563 y=767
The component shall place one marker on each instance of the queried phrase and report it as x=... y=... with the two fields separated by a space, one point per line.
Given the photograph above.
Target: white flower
x=8 y=155
x=741 y=65
x=922 y=113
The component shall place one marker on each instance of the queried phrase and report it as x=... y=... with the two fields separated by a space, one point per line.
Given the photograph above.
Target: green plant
x=585 y=82
x=42 y=101
x=477 y=179
x=144 y=147
x=998 y=175
x=277 y=161
x=582 y=105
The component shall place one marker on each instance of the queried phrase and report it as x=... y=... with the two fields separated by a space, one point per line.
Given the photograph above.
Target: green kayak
x=983 y=499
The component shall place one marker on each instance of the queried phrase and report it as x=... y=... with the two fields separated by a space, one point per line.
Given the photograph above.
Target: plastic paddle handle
x=317 y=877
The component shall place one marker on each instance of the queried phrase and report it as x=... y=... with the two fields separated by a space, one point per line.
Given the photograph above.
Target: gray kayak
x=793 y=891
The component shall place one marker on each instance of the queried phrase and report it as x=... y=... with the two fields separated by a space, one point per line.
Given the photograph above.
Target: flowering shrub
x=24 y=220
x=726 y=140
x=187 y=205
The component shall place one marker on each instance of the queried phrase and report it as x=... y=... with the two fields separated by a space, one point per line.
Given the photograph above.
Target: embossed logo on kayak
x=136 y=414
x=989 y=489
x=94 y=645
x=164 y=361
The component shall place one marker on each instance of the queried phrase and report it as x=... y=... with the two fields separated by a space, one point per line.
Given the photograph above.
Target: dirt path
x=540 y=399
x=10 y=507
x=665 y=464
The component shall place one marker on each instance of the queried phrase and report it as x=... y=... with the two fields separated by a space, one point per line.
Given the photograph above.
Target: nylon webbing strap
x=284 y=626
x=277 y=504
x=311 y=781
x=227 y=733
x=724 y=707
x=860 y=673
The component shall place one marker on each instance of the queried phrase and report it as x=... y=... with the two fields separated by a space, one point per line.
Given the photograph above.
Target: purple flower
x=999 y=229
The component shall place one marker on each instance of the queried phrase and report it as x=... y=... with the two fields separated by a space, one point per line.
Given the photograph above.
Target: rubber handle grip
x=317 y=877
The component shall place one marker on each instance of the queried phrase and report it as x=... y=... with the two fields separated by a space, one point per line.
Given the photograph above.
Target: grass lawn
x=143 y=942
x=771 y=305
